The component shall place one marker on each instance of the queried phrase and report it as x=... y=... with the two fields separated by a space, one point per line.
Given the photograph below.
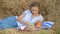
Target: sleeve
x=26 y=12
x=40 y=18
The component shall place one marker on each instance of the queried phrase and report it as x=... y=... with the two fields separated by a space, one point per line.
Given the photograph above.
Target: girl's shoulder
x=40 y=15
x=26 y=12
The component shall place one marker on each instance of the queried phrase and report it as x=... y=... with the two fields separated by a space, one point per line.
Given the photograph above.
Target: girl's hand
x=38 y=24
x=31 y=25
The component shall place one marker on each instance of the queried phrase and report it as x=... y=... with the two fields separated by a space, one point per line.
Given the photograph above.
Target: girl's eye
x=34 y=10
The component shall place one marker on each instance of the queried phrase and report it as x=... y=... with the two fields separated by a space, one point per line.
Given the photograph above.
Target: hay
x=50 y=9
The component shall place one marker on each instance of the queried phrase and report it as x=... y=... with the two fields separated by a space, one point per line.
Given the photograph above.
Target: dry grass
x=15 y=31
x=50 y=9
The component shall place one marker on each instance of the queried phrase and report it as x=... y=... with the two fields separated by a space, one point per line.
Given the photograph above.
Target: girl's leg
x=9 y=22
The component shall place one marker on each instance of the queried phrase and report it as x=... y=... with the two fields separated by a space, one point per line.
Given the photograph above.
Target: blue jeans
x=9 y=22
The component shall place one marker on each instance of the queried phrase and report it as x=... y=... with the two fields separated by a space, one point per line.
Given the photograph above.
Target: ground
x=15 y=31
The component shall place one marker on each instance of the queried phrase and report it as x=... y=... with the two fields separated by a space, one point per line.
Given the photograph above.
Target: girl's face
x=35 y=10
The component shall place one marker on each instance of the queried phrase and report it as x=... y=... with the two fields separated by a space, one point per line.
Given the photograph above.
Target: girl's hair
x=35 y=4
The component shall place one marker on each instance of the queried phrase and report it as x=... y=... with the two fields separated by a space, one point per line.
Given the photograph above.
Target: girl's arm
x=20 y=19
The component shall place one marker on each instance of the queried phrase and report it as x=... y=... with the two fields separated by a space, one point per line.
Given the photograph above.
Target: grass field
x=15 y=31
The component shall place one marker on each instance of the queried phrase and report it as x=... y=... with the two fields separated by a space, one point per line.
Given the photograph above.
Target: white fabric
x=20 y=25
x=37 y=18
x=28 y=17
x=48 y=24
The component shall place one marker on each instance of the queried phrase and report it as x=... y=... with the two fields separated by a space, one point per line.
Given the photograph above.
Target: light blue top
x=28 y=17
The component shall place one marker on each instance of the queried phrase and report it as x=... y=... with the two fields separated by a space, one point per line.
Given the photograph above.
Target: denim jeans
x=9 y=22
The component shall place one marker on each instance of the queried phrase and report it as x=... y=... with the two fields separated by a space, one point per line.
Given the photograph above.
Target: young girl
x=32 y=16
x=29 y=17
